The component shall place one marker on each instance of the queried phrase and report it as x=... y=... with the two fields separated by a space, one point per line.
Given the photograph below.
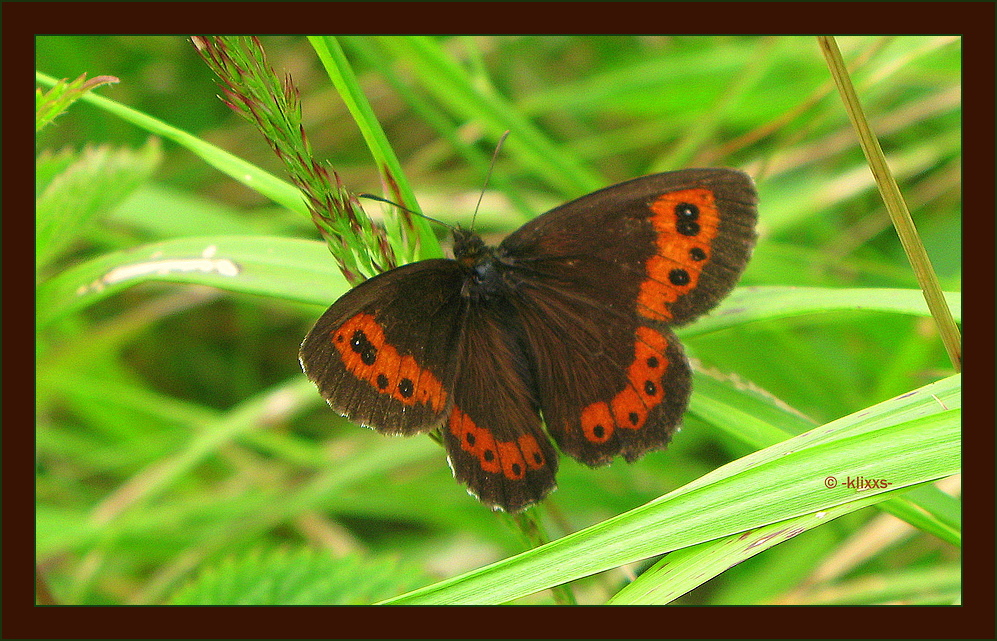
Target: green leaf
x=758 y=420
x=94 y=183
x=49 y=105
x=690 y=567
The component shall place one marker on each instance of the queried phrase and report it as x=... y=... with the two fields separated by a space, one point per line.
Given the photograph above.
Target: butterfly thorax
x=484 y=275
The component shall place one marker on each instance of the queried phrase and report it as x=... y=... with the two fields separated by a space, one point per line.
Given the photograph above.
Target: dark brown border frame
x=974 y=22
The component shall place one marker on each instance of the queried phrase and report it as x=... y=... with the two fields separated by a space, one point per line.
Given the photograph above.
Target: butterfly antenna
x=414 y=213
x=488 y=177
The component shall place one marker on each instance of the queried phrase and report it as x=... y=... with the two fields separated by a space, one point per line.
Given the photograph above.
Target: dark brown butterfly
x=567 y=319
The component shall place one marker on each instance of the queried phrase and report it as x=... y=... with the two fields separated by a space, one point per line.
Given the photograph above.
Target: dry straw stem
x=895 y=203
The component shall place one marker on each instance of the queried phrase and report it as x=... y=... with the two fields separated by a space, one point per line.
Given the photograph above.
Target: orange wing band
x=686 y=222
x=368 y=356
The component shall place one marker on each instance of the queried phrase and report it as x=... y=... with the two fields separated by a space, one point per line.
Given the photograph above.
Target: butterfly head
x=468 y=248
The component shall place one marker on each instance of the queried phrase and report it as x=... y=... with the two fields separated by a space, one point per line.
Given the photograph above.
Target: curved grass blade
x=279 y=191
x=285 y=268
x=908 y=440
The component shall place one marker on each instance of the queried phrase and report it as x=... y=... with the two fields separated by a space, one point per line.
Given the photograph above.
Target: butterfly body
x=563 y=324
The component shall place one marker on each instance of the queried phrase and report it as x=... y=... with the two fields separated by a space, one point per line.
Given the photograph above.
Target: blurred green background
x=136 y=497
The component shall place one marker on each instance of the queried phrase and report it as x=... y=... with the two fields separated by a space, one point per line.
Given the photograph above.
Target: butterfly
x=564 y=325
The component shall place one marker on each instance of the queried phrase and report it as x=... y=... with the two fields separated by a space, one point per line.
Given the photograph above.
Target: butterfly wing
x=384 y=355
x=494 y=436
x=405 y=352
x=594 y=306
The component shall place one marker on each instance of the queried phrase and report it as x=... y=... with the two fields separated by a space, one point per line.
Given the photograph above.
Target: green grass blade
x=435 y=117
x=286 y=268
x=341 y=73
x=688 y=568
x=299 y=270
x=747 y=304
x=453 y=87
x=758 y=420
x=253 y=177
x=930 y=510
x=905 y=441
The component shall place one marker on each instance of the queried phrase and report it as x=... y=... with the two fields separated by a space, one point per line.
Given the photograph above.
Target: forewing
x=384 y=355
x=683 y=237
